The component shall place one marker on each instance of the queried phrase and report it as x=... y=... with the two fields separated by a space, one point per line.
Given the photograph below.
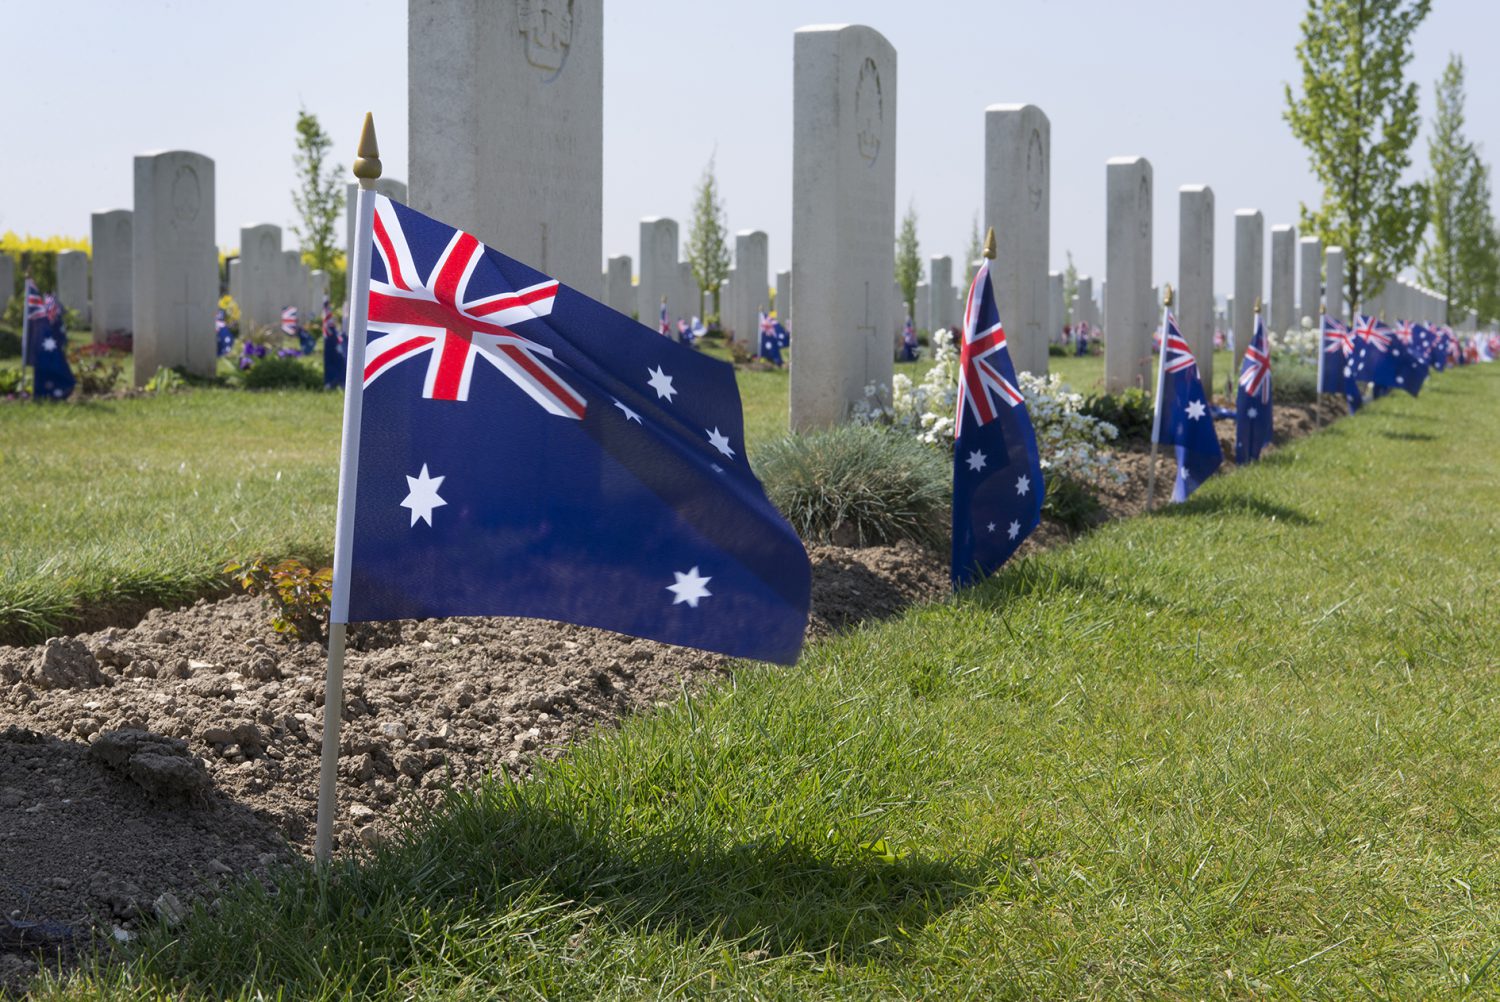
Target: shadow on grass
x=1237 y=504
x=1030 y=577
x=1409 y=436
x=540 y=869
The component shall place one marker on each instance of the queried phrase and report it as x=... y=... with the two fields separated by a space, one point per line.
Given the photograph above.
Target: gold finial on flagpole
x=367 y=164
x=1166 y=298
x=1257 y=304
x=989 y=244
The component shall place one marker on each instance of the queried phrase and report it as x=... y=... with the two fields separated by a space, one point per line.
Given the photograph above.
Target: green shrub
x=97 y=373
x=298 y=595
x=1071 y=504
x=859 y=485
x=272 y=373
x=1294 y=384
x=1130 y=412
x=11 y=381
x=10 y=343
x=1057 y=351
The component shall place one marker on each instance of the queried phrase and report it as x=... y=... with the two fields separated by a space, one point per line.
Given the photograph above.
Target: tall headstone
x=658 y=268
x=1249 y=277
x=685 y=301
x=1129 y=313
x=921 y=315
x=110 y=237
x=752 y=286
x=260 y=275
x=319 y=281
x=387 y=186
x=1283 y=316
x=843 y=219
x=1054 y=306
x=234 y=268
x=1310 y=279
x=619 y=287
x=1195 y=274
x=7 y=279
x=940 y=278
x=73 y=281
x=784 y=298
x=1017 y=203
x=1084 y=311
x=506 y=124
x=290 y=291
x=1333 y=284
x=174 y=273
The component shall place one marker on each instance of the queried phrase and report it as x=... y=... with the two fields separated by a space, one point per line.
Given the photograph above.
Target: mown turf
x=1242 y=748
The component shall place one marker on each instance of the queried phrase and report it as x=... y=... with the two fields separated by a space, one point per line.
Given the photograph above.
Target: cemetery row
x=154 y=267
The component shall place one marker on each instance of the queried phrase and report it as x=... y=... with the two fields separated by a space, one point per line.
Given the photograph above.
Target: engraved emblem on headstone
x=1036 y=170
x=547 y=26
x=869 y=114
x=187 y=194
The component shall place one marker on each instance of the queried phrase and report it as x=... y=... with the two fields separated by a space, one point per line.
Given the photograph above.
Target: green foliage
x=1294 y=384
x=1129 y=411
x=319 y=196
x=1070 y=503
x=1057 y=351
x=708 y=237
x=97 y=373
x=276 y=373
x=909 y=259
x=298 y=595
x=859 y=485
x=1070 y=290
x=1461 y=259
x=1357 y=117
x=12 y=380
x=165 y=380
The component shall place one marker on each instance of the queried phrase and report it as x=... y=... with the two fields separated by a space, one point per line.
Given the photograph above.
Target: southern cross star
x=1023 y=485
x=662 y=384
x=990 y=527
x=976 y=460
x=630 y=415
x=690 y=587
x=719 y=441
x=1251 y=412
x=1196 y=410
x=49 y=344
x=1014 y=530
x=423 y=496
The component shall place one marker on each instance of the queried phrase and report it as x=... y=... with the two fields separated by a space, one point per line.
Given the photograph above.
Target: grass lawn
x=1245 y=747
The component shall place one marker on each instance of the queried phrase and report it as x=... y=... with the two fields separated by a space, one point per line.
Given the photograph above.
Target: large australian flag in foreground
x=1182 y=417
x=526 y=451
x=997 y=471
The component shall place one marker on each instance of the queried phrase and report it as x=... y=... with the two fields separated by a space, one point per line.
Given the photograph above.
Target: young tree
x=1070 y=289
x=1456 y=260
x=972 y=255
x=707 y=243
x=1357 y=116
x=908 y=258
x=318 y=198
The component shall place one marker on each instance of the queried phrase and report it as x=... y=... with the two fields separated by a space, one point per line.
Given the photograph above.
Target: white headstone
x=619 y=287
x=261 y=274
x=1130 y=315
x=1055 y=308
x=1084 y=311
x=784 y=298
x=233 y=269
x=505 y=115
x=73 y=281
x=752 y=285
x=1249 y=277
x=291 y=289
x=174 y=273
x=940 y=278
x=110 y=237
x=843 y=219
x=1310 y=279
x=1333 y=284
x=1017 y=203
x=922 y=313
x=1195 y=274
x=685 y=301
x=658 y=268
x=1283 y=316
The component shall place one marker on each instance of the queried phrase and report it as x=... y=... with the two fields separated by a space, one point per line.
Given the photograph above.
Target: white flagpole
x=1322 y=354
x=367 y=169
x=1161 y=370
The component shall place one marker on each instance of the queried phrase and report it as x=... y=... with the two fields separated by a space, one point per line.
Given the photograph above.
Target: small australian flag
x=1252 y=410
x=1182 y=416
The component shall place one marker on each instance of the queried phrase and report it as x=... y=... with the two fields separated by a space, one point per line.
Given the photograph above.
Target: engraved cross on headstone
x=867 y=329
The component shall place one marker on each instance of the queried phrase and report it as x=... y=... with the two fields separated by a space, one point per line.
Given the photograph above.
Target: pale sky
x=1196 y=86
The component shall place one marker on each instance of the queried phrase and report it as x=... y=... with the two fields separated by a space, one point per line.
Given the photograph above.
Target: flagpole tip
x=1167 y=296
x=989 y=244
x=1257 y=304
x=367 y=164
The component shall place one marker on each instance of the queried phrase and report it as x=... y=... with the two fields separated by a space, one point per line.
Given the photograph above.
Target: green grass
x=1242 y=748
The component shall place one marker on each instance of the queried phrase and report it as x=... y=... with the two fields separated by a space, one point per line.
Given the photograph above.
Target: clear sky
x=1194 y=85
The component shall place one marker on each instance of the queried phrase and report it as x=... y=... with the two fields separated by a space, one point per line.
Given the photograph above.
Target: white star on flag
x=1251 y=412
x=630 y=415
x=1400 y=380
x=720 y=442
x=990 y=527
x=423 y=496
x=1014 y=530
x=662 y=384
x=1196 y=410
x=690 y=587
x=49 y=344
x=1023 y=485
x=976 y=460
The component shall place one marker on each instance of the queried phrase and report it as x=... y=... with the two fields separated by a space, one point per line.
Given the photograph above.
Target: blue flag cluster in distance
x=335 y=360
x=1252 y=402
x=1182 y=416
x=1336 y=368
x=526 y=451
x=52 y=376
x=997 y=471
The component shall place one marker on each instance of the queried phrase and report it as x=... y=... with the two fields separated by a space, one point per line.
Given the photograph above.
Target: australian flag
x=222 y=333
x=334 y=358
x=1336 y=363
x=52 y=377
x=770 y=344
x=783 y=336
x=1252 y=402
x=33 y=309
x=1385 y=361
x=997 y=472
x=1182 y=415
x=526 y=451
x=909 y=342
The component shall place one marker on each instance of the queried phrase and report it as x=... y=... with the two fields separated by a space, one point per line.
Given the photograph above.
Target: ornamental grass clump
x=859 y=485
